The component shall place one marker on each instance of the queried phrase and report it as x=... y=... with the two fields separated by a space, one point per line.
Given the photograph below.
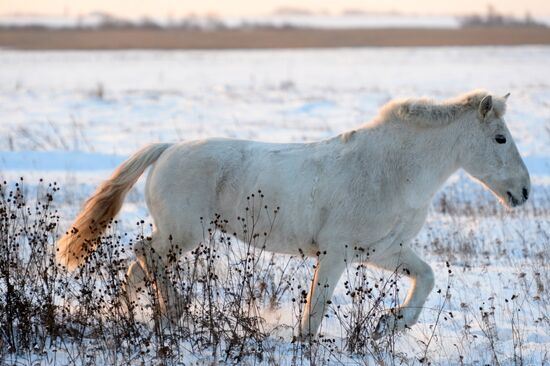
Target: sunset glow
x=177 y=8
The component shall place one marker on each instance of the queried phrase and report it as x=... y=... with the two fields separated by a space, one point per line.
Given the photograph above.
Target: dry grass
x=227 y=288
x=29 y=39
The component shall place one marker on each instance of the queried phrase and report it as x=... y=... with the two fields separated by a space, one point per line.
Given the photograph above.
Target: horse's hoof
x=382 y=328
x=388 y=324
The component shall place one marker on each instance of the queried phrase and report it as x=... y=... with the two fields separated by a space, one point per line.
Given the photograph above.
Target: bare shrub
x=225 y=287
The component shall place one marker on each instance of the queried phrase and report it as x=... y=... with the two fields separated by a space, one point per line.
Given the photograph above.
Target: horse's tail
x=78 y=243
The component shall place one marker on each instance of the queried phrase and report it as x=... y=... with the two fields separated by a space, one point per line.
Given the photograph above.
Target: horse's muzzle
x=515 y=201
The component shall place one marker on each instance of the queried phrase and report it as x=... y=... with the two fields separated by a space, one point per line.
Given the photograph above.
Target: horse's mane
x=426 y=112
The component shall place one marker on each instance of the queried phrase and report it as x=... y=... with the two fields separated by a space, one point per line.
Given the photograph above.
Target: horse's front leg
x=328 y=270
x=422 y=282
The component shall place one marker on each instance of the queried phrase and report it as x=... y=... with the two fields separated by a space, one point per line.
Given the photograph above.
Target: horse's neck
x=437 y=160
x=425 y=158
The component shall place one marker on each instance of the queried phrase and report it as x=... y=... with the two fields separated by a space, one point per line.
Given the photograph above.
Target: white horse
x=369 y=188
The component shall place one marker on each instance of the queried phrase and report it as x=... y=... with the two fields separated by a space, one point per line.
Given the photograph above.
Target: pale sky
x=175 y=8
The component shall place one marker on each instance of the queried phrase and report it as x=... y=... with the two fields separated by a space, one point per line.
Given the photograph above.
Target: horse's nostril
x=525 y=193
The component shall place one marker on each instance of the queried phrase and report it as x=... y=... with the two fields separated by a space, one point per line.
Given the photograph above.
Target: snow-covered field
x=73 y=116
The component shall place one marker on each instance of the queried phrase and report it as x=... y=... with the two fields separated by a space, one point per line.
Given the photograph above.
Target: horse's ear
x=485 y=106
x=506 y=96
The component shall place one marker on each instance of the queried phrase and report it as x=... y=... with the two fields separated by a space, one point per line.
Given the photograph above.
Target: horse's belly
x=278 y=240
x=292 y=245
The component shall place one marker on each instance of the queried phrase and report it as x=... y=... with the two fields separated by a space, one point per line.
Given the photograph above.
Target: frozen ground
x=73 y=116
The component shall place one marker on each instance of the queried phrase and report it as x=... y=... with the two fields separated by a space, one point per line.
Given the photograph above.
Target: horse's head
x=492 y=155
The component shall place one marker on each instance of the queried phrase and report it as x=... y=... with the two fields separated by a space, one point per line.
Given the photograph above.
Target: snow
x=74 y=116
x=58 y=160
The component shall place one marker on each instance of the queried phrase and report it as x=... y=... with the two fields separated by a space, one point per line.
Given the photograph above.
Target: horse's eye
x=500 y=139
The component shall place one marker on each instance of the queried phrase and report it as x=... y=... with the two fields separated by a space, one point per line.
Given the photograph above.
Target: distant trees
x=495 y=19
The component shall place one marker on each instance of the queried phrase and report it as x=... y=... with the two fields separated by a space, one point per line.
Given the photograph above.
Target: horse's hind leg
x=134 y=284
x=153 y=259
